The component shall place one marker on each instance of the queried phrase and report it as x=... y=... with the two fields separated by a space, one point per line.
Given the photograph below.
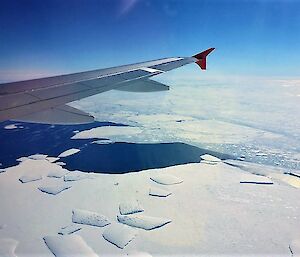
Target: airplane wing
x=44 y=100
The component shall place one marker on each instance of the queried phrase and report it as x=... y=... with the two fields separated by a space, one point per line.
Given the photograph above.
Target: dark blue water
x=112 y=158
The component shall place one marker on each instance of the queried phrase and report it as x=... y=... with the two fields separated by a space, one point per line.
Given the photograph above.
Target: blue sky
x=253 y=38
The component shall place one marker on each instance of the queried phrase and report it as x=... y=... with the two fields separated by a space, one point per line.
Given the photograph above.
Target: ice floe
x=21 y=159
x=69 y=245
x=89 y=218
x=107 y=132
x=255 y=179
x=295 y=248
x=75 y=176
x=139 y=254
x=52 y=159
x=119 y=235
x=209 y=159
x=57 y=173
x=11 y=126
x=38 y=156
x=103 y=142
x=142 y=221
x=54 y=189
x=8 y=247
x=155 y=191
x=61 y=163
x=30 y=178
x=166 y=179
x=70 y=229
x=69 y=152
x=287 y=179
x=130 y=207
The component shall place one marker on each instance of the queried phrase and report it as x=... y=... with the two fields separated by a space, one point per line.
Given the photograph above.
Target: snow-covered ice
x=166 y=179
x=130 y=207
x=295 y=248
x=75 y=176
x=159 y=192
x=119 y=235
x=38 y=156
x=142 y=221
x=69 y=152
x=103 y=142
x=70 y=229
x=255 y=179
x=57 y=173
x=11 y=126
x=21 y=159
x=54 y=189
x=286 y=179
x=8 y=247
x=69 y=246
x=194 y=209
x=30 y=178
x=139 y=254
x=52 y=159
x=209 y=159
x=61 y=163
x=89 y=218
x=107 y=132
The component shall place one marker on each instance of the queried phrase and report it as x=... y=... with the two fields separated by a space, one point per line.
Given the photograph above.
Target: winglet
x=202 y=58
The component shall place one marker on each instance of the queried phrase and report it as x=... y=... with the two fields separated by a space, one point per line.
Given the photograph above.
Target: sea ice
x=8 y=247
x=54 y=189
x=30 y=178
x=287 y=179
x=61 y=163
x=107 y=132
x=103 y=142
x=52 y=159
x=295 y=248
x=57 y=173
x=69 y=246
x=2 y=170
x=255 y=179
x=130 y=207
x=38 y=156
x=141 y=221
x=209 y=159
x=119 y=235
x=166 y=179
x=12 y=126
x=209 y=162
x=70 y=229
x=89 y=218
x=21 y=159
x=155 y=191
x=75 y=176
x=139 y=254
x=69 y=152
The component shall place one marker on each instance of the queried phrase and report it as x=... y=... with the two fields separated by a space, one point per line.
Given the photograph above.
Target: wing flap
x=62 y=115
x=143 y=85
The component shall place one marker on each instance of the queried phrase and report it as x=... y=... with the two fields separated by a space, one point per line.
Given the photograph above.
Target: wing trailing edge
x=61 y=115
x=143 y=86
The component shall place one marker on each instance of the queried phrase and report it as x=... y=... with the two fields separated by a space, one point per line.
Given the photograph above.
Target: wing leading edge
x=43 y=100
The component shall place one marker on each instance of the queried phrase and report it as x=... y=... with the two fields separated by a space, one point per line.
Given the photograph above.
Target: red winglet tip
x=202 y=57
